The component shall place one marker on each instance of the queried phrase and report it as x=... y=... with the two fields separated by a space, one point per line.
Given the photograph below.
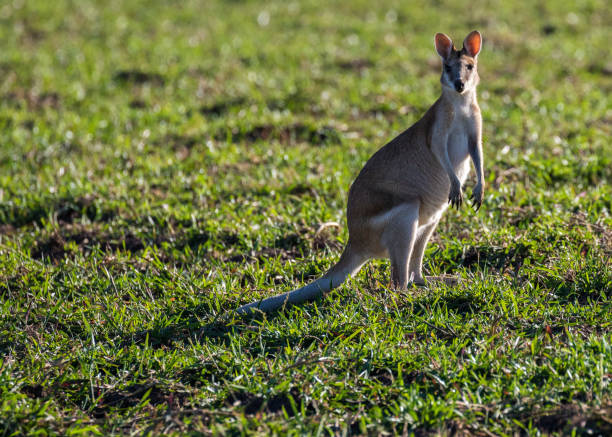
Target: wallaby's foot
x=419 y=281
x=449 y=280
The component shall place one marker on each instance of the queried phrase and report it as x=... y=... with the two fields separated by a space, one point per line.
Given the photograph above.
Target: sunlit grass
x=162 y=163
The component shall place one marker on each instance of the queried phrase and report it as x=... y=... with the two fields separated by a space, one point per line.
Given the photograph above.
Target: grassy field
x=163 y=162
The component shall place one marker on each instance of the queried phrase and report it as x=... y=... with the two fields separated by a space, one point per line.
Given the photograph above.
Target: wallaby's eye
x=470 y=66
x=447 y=68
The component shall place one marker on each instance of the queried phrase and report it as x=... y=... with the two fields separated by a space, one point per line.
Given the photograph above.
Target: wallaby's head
x=459 y=67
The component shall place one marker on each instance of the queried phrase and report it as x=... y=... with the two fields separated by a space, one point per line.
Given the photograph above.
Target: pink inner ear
x=443 y=45
x=472 y=43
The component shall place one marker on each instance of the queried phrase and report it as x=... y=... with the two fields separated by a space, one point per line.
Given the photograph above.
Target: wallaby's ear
x=472 y=43
x=444 y=45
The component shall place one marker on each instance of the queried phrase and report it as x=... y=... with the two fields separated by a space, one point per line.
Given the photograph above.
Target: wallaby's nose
x=459 y=86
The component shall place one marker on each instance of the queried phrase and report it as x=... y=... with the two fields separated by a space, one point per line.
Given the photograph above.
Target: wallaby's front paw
x=477 y=196
x=455 y=198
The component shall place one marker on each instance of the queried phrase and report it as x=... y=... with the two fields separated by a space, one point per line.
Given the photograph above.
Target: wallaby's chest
x=458 y=146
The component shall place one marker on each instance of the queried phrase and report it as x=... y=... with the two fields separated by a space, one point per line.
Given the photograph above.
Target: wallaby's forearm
x=475 y=151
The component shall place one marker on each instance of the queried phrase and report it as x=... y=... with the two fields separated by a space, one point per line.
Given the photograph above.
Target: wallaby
x=402 y=191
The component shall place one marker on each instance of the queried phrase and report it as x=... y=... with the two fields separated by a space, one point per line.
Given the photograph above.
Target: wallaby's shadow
x=269 y=342
x=488 y=257
x=222 y=326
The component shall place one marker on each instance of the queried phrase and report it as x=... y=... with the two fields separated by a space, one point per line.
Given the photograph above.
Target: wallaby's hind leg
x=398 y=237
x=350 y=262
x=415 y=266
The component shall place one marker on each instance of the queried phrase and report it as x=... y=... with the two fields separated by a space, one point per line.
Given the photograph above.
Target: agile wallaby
x=400 y=194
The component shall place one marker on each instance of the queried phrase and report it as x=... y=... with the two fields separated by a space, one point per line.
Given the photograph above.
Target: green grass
x=162 y=163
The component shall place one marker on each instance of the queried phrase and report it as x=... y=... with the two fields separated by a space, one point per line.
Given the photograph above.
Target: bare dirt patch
x=137 y=104
x=566 y=418
x=55 y=246
x=254 y=404
x=284 y=253
x=7 y=229
x=603 y=69
x=134 y=394
x=218 y=108
x=34 y=100
x=357 y=64
x=109 y=399
x=603 y=233
x=291 y=245
x=63 y=210
x=289 y=134
x=138 y=77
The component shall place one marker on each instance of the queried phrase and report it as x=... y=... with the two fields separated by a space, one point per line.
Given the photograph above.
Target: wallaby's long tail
x=350 y=262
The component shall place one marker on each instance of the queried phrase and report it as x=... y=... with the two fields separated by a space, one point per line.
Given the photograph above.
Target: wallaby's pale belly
x=437 y=199
x=458 y=152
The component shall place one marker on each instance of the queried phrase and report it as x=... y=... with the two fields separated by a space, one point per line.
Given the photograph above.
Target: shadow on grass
x=106 y=400
x=221 y=329
x=491 y=257
x=252 y=403
x=572 y=419
x=290 y=134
